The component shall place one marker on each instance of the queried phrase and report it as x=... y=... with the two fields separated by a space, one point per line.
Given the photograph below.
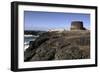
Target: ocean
x=27 y=39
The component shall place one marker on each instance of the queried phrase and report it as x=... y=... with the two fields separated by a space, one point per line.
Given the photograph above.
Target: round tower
x=77 y=25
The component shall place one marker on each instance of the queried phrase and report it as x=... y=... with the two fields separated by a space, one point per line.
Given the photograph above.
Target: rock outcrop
x=59 y=46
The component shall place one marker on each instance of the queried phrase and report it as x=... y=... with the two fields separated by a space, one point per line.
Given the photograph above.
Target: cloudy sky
x=35 y=20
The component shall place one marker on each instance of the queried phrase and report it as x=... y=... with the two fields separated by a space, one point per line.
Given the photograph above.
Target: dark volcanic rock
x=44 y=54
x=28 y=54
x=44 y=37
x=59 y=46
x=68 y=52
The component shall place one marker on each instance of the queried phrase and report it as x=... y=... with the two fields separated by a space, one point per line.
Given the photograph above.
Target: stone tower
x=77 y=25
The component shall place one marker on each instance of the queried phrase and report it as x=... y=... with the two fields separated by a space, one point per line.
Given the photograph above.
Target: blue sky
x=35 y=20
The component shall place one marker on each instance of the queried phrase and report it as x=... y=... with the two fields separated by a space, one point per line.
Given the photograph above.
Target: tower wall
x=77 y=25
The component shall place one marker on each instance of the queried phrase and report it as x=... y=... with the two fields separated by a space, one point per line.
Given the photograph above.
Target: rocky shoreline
x=66 y=45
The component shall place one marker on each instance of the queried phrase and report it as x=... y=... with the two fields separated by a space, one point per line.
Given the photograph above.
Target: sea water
x=27 y=39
